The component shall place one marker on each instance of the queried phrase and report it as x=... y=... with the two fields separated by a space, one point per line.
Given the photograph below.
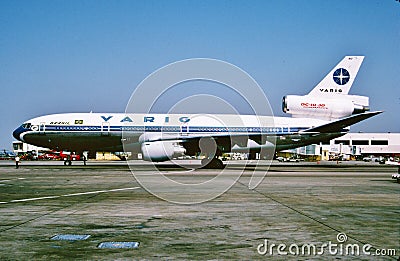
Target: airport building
x=351 y=146
x=22 y=147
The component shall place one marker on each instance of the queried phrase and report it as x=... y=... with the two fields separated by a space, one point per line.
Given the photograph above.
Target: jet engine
x=161 y=150
x=324 y=108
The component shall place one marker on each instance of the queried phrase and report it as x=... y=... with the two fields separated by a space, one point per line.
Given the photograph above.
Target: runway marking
x=98 y=191
x=7 y=180
x=33 y=199
x=165 y=173
x=69 y=195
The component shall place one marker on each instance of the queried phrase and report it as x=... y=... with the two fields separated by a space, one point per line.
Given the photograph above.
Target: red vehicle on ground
x=49 y=156
x=66 y=155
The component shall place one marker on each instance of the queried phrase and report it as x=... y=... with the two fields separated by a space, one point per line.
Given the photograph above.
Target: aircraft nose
x=17 y=133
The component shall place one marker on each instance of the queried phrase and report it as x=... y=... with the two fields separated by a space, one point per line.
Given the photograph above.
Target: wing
x=339 y=125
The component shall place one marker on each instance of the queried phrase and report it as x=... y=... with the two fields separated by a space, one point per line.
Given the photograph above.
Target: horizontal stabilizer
x=338 y=125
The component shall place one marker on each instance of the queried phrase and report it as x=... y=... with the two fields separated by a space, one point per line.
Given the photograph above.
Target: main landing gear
x=214 y=163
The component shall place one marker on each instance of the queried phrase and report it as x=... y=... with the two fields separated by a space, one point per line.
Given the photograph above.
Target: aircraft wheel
x=205 y=162
x=218 y=163
x=214 y=163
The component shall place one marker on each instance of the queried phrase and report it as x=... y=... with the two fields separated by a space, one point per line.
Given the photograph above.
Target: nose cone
x=17 y=133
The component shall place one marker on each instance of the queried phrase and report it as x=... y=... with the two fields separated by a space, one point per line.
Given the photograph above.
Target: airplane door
x=42 y=128
x=105 y=128
x=285 y=129
x=184 y=129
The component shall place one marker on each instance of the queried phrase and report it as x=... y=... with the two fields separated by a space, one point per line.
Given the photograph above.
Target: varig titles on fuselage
x=166 y=119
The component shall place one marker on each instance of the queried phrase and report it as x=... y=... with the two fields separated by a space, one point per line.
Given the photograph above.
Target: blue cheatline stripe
x=71 y=128
x=190 y=129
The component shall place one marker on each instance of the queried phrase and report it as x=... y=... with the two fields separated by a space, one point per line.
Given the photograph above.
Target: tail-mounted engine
x=324 y=108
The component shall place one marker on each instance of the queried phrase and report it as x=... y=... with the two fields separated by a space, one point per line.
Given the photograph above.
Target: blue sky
x=80 y=56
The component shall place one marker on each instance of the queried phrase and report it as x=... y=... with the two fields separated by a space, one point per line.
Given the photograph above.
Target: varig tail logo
x=341 y=76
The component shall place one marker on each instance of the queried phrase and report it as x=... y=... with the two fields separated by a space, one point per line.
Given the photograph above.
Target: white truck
x=395 y=175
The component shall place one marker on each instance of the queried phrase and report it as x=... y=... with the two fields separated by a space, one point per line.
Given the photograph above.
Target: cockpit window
x=26 y=125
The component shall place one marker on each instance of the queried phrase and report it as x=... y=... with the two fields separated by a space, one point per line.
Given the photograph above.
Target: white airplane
x=323 y=114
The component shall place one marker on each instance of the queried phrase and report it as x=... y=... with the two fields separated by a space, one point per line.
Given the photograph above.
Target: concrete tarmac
x=300 y=211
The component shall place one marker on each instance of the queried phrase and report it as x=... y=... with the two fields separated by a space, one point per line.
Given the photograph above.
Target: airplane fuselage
x=104 y=132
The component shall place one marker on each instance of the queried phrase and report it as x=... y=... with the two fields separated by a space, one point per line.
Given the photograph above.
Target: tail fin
x=339 y=80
